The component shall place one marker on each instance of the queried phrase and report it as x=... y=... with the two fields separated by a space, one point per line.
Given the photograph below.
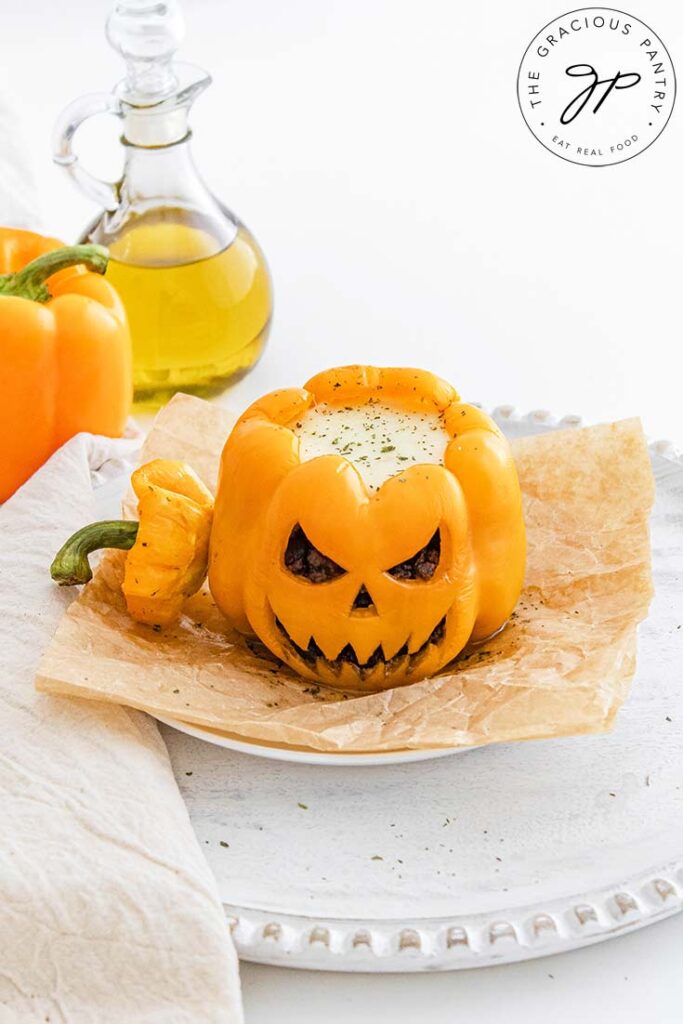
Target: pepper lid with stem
x=194 y=328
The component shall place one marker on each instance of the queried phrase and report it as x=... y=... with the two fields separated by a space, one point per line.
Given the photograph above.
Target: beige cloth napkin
x=108 y=911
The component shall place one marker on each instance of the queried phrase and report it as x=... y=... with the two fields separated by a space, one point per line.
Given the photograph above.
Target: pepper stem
x=71 y=565
x=29 y=282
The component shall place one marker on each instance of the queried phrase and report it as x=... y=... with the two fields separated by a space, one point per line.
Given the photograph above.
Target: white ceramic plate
x=301 y=755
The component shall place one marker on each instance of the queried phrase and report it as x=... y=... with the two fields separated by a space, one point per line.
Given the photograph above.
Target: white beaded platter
x=510 y=852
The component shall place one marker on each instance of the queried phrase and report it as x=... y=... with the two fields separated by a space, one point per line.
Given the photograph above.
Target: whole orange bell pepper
x=65 y=349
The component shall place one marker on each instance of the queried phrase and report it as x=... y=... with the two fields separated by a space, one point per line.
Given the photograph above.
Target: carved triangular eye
x=303 y=559
x=422 y=565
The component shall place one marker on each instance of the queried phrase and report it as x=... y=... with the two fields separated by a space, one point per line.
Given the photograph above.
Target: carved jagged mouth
x=347 y=656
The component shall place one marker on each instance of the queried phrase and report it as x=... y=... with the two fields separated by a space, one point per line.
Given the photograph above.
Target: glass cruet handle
x=105 y=193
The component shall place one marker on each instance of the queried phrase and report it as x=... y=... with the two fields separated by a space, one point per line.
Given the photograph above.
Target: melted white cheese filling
x=378 y=439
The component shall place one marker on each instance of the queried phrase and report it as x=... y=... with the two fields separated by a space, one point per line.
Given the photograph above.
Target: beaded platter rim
x=457 y=942
x=465 y=941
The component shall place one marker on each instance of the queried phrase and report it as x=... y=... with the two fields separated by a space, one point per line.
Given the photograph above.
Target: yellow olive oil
x=199 y=312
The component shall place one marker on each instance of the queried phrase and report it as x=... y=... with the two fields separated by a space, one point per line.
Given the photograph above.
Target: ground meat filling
x=421 y=566
x=303 y=559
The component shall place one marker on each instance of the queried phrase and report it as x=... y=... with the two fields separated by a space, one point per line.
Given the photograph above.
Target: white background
x=376 y=149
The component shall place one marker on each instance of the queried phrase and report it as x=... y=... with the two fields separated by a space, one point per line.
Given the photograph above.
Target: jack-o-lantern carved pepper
x=365 y=582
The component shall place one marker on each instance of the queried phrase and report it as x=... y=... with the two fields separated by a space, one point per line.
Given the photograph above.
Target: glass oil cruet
x=194 y=281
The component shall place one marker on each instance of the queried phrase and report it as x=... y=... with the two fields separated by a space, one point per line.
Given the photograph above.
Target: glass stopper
x=147 y=34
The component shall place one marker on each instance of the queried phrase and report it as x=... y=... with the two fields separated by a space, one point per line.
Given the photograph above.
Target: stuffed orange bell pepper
x=366 y=527
x=66 y=355
x=361 y=581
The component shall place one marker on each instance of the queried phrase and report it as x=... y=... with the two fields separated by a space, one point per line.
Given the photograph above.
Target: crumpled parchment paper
x=561 y=666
